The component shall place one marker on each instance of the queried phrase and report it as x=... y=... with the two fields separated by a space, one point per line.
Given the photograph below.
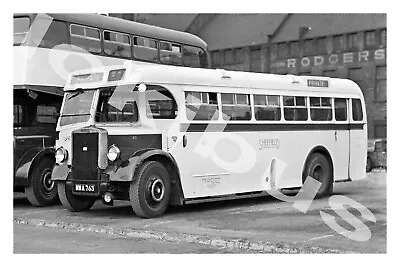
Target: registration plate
x=90 y=188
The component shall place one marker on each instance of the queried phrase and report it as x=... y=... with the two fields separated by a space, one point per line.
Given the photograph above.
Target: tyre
x=72 y=202
x=369 y=165
x=41 y=191
x=150 y=190
x=319 y=168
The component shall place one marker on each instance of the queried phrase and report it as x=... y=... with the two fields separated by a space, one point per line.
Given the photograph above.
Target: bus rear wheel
x=41 y=190
x=319 y=168
x=72 y=202
x=150 y=191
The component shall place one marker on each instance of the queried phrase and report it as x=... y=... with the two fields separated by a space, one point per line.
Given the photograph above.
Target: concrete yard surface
x=262 y=224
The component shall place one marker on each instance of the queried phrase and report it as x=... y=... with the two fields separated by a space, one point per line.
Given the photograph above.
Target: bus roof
x=162 y=74
x=127 y=26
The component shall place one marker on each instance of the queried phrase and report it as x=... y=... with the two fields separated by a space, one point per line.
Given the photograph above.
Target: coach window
x=194 y=57
x=117 y=106
x=160 y=104
x=18 y=114
x=46 y=114
x=340 y=109
x=170 y=53
x=201 y=106
x=117 y=44
x=267 y=108
x=357 y=110
x=236 y=106
x=145 y=49
x=294 y=108
x=320 y=108
x=86 y=38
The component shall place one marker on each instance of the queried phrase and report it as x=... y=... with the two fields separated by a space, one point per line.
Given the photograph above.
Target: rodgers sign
x=332 y=59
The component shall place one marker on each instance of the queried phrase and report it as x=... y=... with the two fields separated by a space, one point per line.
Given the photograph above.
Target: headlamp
x=61 y=155
x=113 y=153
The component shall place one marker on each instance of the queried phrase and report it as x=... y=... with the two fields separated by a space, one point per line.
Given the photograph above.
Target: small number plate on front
x=89 y=188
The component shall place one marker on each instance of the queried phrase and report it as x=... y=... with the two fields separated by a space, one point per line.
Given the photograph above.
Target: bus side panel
x=358 y=153
x=220 y=163
x=358 y=144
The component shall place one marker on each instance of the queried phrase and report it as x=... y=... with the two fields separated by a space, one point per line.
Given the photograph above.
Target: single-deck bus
x=161 y=135
x=46 y=48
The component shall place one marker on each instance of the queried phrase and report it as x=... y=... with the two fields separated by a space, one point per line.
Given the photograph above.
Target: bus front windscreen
x=21 y=28
x=76 y=107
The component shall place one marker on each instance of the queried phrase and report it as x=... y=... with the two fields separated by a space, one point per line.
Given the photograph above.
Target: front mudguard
x=125 y=171
x=60 y=172
x=26 y=164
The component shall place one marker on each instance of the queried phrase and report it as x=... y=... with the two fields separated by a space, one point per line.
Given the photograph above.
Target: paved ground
x=259 y=224
x=39 y=240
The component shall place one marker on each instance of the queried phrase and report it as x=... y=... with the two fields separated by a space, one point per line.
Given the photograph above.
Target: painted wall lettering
x=332 y=59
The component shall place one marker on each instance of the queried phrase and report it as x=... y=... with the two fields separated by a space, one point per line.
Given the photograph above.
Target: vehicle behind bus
x=163 y=135
x=49 y=46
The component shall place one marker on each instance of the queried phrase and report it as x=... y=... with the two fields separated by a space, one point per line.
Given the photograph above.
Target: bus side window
x=17 y=114
x=86 y=38
x=340 y=109
x=236 y=107
x=201 y=106
x=357 y=110
x=295 y=108
x=46 y=114
x=267 y=108
x=320 y=108
x=170 y=53
x=117 y=44
x=194 y=57
x=145 y=49
x=160 y=104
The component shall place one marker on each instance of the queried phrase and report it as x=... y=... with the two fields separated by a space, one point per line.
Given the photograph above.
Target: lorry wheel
x=319 y=168
x=41 y=190
x=150 y=191
x=72 y=202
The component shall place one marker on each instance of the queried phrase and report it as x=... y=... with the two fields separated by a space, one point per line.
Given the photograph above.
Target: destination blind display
x=87 y=78
x=317 y=83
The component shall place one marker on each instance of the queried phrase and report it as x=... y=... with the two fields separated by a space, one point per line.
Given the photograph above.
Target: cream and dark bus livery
x=165 y=135
x=49 y=46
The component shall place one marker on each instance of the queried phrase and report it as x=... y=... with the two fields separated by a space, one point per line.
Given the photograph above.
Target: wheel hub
x=318 y=173
x=47 y=183
x=157 y=190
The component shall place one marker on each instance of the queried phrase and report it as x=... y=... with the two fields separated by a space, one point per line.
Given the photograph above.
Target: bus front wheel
x=72 y=202
x=319 y=168
x=41 y=190
x=150 y=190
